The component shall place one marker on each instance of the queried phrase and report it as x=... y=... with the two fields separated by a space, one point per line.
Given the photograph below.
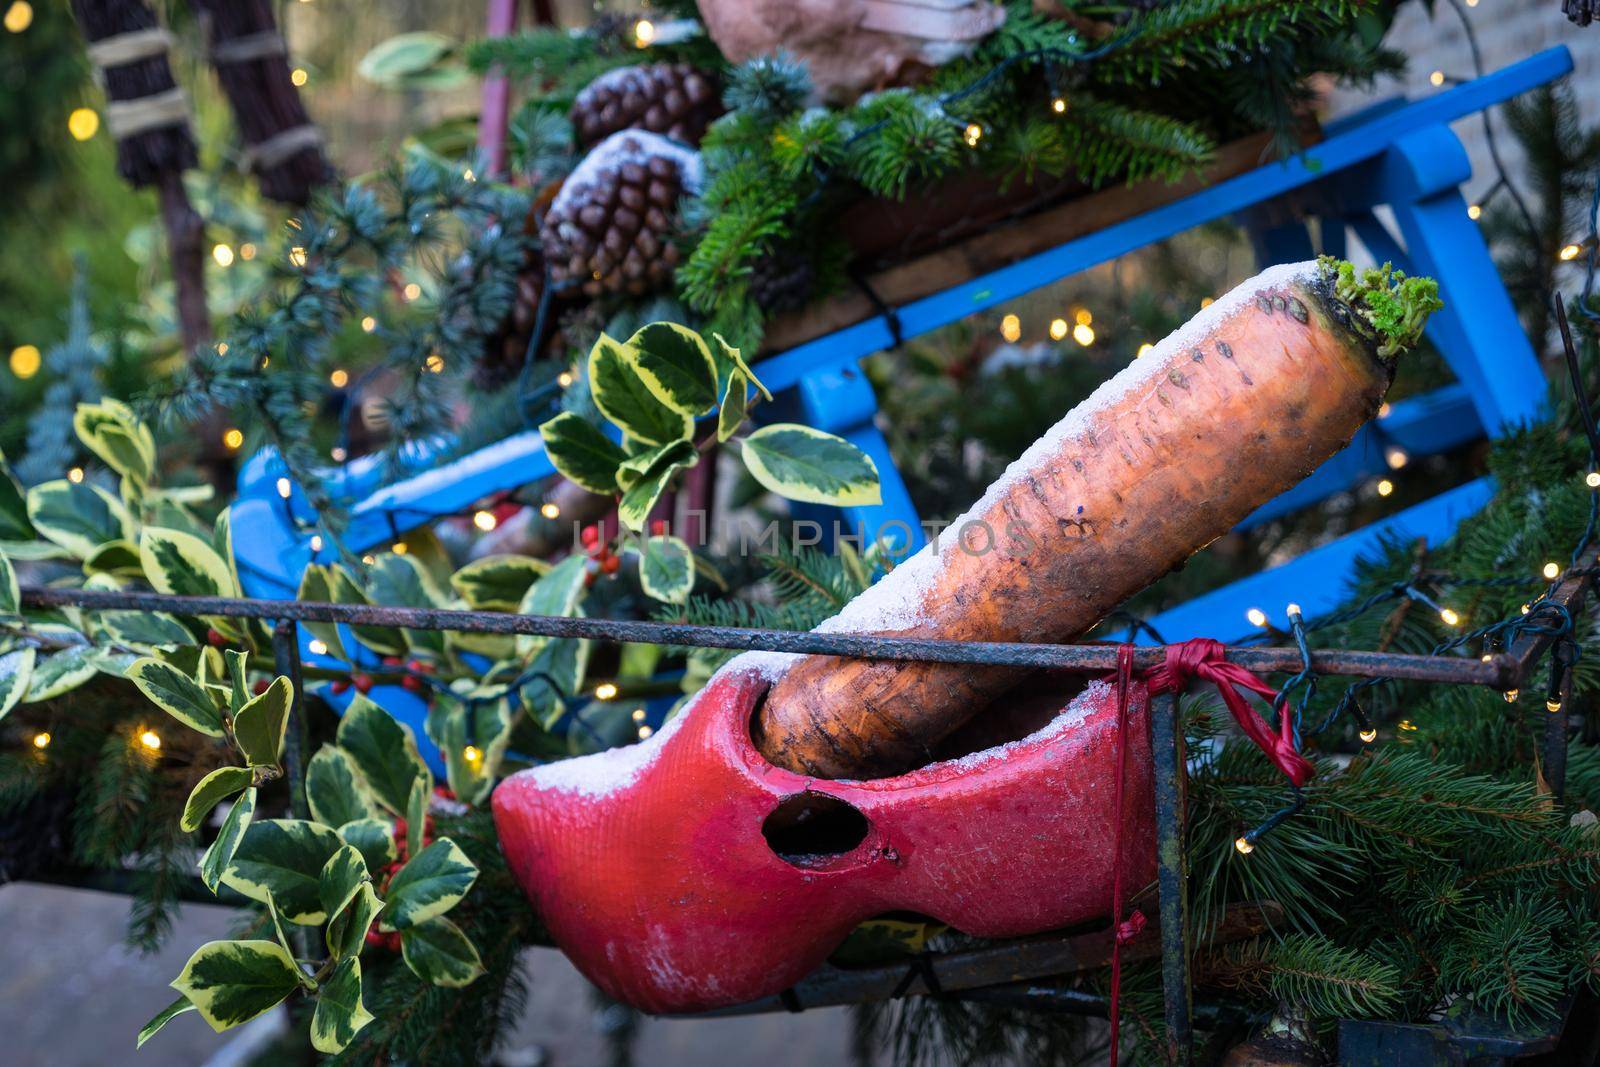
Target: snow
x=601 y=773
x=625 y=146
x=897 y=602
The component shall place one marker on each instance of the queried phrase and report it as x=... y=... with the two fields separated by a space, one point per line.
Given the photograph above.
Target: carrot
x=1229 y=411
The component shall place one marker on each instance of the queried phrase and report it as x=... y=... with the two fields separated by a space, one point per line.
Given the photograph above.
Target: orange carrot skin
x=1227 y=424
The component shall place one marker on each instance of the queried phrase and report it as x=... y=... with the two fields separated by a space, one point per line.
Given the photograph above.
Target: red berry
x=392 y=941
x=419 y=666
x=590 y=536
x=260 y=686
x=411 y=682
x=213 y=636
x=611 y=565
x=391 y=661
x=374 y=938
x=659 y=526
x=363 y=683
x=338 y=687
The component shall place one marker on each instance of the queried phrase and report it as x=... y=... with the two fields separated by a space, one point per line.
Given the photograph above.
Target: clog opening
x=1017 y=713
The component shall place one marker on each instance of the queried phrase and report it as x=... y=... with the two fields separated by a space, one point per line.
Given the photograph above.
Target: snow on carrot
x=1223 y=415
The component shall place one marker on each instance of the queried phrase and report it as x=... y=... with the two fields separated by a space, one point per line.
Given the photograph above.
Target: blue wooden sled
x=1398 y=154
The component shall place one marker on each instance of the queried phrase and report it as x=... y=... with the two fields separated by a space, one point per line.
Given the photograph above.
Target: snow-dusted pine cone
x=673 y=99
x=609 y=228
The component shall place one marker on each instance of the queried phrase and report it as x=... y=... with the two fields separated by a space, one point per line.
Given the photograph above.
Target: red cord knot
x=1129 y=928
x=1204 y=659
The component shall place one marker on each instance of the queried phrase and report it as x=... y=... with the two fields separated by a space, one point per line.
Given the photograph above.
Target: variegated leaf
x=339 y=1015
x=316 y=586
x=374 y=839
x=162 y=1018
x=666 y=568
x=119 y=558
x=60 y=672
x=384 y=751
x=804 y=464
x=335 y=789
x=182 y=564
x=735 y=362
x=734 y=407
x=582 y=453
x=473 y=743
x=231 y=982
x=147 y=628
x=396 y=581
x=637 y=502
x=431 y=883
x=210 y=791
x=78 y=516
x=10 y=594
x=259 y=726
x=16 y=671
x=110 y=431
x=221 y=852
x=343 y=874
x=284 y=858
x=624 y=398
x=675 y=364
x=557 y=592
x=347 y=931
x=177 y=694
x=497 y=583
x=438 y=952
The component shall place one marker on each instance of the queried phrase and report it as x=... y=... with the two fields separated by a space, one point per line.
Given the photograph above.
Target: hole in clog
x=809 y=828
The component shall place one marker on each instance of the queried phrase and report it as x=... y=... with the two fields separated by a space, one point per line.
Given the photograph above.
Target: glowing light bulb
x=223 y=255
x=368 y=324
x=150 y=740
x=605 y=691
x=1396 y=458
x=1385 y=487
x=1552 y=570
x=400 y=548
x=1058 y=105
x=1384 y=410
x=1526 y=609
x=41 y=739
x=338 y=454
x=1206 y=301
x=222 y=348
x=484 y=520
x=1146 y=347
x=411 y=291
x=84 y=122
x=638 y=715
x=1569 y=252
x=550 y=510
x=317 y=647
x=1592 y=479
x=1244 y=846
x=974 y=133
x=1474 y=211
x=1486 y=657
x=1256 y=616
x=468 y=175
x=297 y=256
x=285 y=487
x=472 y=754
x=19 y=16
x=434 y=364
x=1436 y=78
x=1011 y=328
x=247 y=251
x=316 y=542
x=1083 y=334
x=644 y=33
x=1407 y=725
x=75 y=475
x=1292 y=610
x=232 y=439
x=644 y=732
x=1083 y=317
x=1058 y=329
x=1511 y=696
x=564 y=379
x=1449 y=616
x=369 y=559
x=25 y=361
x=1369 y=735
x=1552 y=706
x=299 y=76
x=339 y=378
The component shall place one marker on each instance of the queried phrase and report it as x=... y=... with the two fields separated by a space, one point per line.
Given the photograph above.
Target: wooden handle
x=1221 y=417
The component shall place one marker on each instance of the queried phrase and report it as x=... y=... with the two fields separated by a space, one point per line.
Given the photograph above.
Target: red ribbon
x=1203 y=659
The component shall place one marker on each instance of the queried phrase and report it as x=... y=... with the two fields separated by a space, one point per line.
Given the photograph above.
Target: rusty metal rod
x=1500 y=672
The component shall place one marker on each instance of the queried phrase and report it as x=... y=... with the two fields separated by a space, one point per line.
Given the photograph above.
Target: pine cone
x=673 y=99
x=608 y=230
x=782 y=281
x=505 y=351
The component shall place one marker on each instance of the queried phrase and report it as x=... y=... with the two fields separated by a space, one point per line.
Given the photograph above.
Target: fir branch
x=1314 y=973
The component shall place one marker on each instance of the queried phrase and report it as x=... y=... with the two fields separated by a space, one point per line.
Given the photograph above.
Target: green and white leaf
x=335 y=789
x=339 y=1015
x=438 y=952
x=284 y=858
x=10 y=594
x=386 y=639
x=316 y=586
x=666 y=568
x=14 y=524
x=641 y=497
x=395 y=61
x=347 y=931
x=582 y=453
x=149 y=628
x=497 y=583
x=231 y=982
x=110 y=430
x=210 y=791
x=734 y=407
x=804 y=464
x=60 y=672
x=622 y=396
x=119 y=558
x=384 y=751
x=259 y=727
x=16 y=671
x=183 y=564
x=374 y=839
x=177 y=694
x=217 y=858
x=557 y=592
x=487 y=729
x=675 y=364
x=162 y=1018
x=735 y=361
x=343 y=874
x=417 y=814
x=78 y=516
x=431 y=883
x=396 y=581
